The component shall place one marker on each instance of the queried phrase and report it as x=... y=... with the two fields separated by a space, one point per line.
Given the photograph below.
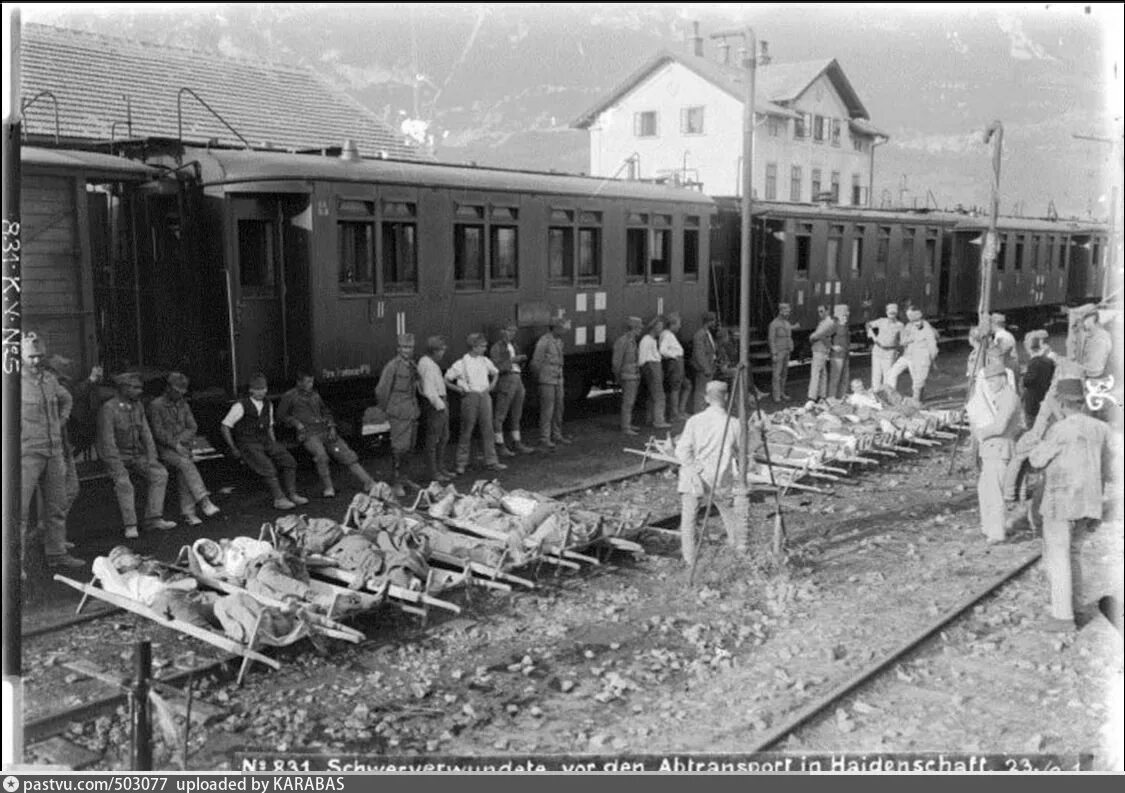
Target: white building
x=679 y=117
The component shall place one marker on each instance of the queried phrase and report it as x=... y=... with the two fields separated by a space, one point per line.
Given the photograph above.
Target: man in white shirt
x=821 y=340
x=706 y=454
x=885 y=334
x=652 y=372
x=435 y=408
x=474 y=376
x=248 y=430
x=672 y=355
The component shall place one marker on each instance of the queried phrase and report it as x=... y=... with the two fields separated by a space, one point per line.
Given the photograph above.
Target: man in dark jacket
x=627 y=372
x=397 y=394
x=508 y=399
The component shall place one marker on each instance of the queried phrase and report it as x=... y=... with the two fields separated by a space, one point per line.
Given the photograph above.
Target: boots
x=396 y=474
x=190 y=518
x=279 y=499
x=209 y=509
x=290 y=475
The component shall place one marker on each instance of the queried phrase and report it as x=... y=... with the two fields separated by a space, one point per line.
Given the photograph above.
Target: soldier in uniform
x=839 y=359
x=885 y=334
x=821 y=340
x=547 y=366
x=995 y=416
x=627 y=371
x=45 y=409
x=920 y=350
x=397 y=394
x=173 y=427
x=126 y=446
x=248 y=431
x=781 y=347
x=303 y=409
x=510 y=391
x=703 y=354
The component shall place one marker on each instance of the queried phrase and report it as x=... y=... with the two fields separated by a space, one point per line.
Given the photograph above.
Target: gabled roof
x=118 y=88
x=776 y=84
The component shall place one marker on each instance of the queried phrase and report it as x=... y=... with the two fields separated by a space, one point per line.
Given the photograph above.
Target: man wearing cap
x=248 y=430
x=1075 y=454
x=474 y=376
x=435 y=408
x=303 y=409
x=397 y=394
x=174 y=428
x=510 y=392
x=781 y=347
x=839 y=358
x=1004 y=345
x=821 y=340
x=652 y=372
x=705 y=450
x=704 y=352
x=46 y=407
x=994 y=415
x=885 y=334
x=627 y=371
x=920 y=350
x=672 y=359
x=547 y=365
x=126 y=446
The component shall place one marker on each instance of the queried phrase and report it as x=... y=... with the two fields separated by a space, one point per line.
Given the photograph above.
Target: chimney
x=764 y=58
x=349 y=152
x=696 y=41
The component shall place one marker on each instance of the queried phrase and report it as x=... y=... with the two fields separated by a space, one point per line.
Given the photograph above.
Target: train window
x=356 y=258
x=882 y=251
x=636 y=254
x=1033 y=262
x=256 y=273
x=804 y=249
x=691 y=120
x=589 y=255
x=503 y=256
x=795 y=183
x=815 y=183
x=400 y=256
x=835 y=132
x=1018 y=264
x=646 y=124
x=468 y=256
x=771 y=181
x=832 y=259
x=660 y=265
x=820 y=129
x=906 y=253
x=560 y=255
x=857 y=251
x=691 y=248
x=1059 y=255
x=835 y=187
x=931 y=251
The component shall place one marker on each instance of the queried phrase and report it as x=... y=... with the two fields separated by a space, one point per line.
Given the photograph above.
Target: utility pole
x=994 y=133
x=741 y=487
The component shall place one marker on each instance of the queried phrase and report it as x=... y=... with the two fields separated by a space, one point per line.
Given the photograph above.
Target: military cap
x=1071 y=390
x=995 y=369
x=127 y=379
x=31 y=344
x=406 y=340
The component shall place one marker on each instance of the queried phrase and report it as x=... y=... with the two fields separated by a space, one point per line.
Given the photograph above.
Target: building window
x=771 y=181
x=691 y=120
x=691 y=248
x=645 y=124
x=816 y=184
x=858 y=144
x=801 y=125
x=931 y=251
x=882 y=251
x=906 y=256
x=857 y=251
x=468 y=248
x=832 y=259
x=835 y=187
x=400 y=246
x=820 y=129
x=256 y=272
x=857 y=191
x=795 y=183
x=835 y=132
x=1018 y=264
x=804 y=249
x=774 y=125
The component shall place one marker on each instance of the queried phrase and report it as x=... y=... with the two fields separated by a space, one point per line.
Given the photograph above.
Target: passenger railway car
x=809 y=254
x=223 y=263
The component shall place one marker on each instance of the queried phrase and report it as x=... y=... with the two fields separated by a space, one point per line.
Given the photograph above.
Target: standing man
x=78 y=434
x=652 y=371
x=705 y=450
x=994 y=413
x=627 y=371
x=435 y=408
x=248 y=431
x=303 y=409
x=781 y=347
x=1004 y=345
x=510 y=391
x=703 y=354
x=474 y=376
x=397 y=394
x=125 y=445
x=46 y=407
x=1096 y=344
x=920 y=350
x=547 y=366
x=1038 y=375
x=1075 y=453
x=173 y=427
x=821 y=340
x=886 y=336
x=672 y=356
x=839 y=360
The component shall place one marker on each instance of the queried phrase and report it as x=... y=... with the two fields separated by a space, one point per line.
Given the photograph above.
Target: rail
x=24 y=105
x=211 y=110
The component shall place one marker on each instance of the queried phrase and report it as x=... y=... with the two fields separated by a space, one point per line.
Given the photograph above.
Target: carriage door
x=258 y=291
